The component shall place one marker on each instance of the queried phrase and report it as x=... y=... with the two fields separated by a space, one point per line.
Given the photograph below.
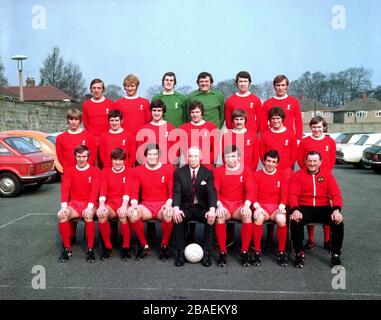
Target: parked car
x=22 y=165
x=45 y=142
x=333 y=135
x=371 y=157
x=352 y=153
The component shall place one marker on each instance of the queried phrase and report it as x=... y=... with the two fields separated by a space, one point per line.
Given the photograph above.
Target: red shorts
x=78 y=206
x=114 y=204
x=153 y=206
x=232 y=206
x=269 y=207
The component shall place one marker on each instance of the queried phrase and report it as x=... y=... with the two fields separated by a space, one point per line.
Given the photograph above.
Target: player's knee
x=280 y=220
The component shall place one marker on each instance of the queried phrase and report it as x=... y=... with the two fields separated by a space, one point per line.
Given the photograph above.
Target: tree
x=53 y=68
x=113 y=92
x=3 y=79
x=265 y=90
x=227 y=87
x=184 y=89
x=152 y=91
x=72 y=81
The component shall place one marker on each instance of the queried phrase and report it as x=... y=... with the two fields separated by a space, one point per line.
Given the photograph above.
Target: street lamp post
x=19 y=59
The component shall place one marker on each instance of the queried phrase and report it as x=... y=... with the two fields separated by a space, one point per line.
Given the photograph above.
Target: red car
x=22 y=164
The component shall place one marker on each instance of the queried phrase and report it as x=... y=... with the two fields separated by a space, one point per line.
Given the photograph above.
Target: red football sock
x=257 y=237
x=327 y=232
x=104 y=229
x=138 y=228
x=65 y=233
x=90 y=231
x=166 y=230
x=221 y=236
x=246 y=232
x=126 y=235
x=282 y=237
x=311 y=233
x=73 y=229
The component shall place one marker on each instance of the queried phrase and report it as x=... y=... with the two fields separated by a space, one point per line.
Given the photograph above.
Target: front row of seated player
x=191 y=193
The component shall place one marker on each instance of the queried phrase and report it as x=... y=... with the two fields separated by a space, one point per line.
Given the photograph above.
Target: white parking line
x=320 y=293
x=27 y=215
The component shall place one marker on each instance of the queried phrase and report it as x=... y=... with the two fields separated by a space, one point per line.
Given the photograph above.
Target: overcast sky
x=110 y=39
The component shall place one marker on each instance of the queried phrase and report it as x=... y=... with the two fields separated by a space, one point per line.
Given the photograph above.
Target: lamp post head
x=19 y=58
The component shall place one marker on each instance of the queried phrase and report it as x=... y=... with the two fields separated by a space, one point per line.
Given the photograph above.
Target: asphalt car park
x=30 y=247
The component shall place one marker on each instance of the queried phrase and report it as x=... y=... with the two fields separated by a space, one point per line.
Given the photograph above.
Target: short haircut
x=242 y=74
x=317 y=119
x=232 y=148
x=158 y=104
x=196 y=104
x=280 y=78
x=74 y=113
x=151 y=146
x=194 y=149
x=97 y=81
x=114 y=114
x=204 y=74
x=276 y=111
x=131 y=79
x=274 y=154
x=80 y=149
x=168 y=74
x=239 y=113
x=313 y=153
x=118 y=154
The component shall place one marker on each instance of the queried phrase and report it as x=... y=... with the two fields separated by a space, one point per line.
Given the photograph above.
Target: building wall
x=354 y=127
x=17 y=115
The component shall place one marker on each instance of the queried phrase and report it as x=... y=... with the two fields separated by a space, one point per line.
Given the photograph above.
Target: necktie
x=193 y=185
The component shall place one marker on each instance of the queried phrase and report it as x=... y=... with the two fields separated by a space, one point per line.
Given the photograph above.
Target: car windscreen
x=52 y=139
x=362 y=140
x=378 y=143
x=341 y=137
x=21 y=145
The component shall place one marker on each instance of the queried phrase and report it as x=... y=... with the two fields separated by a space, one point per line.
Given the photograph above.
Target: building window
x=327 y=114
x=350 y=114
x=319 y=113
x=378 y=113
x=361 y=114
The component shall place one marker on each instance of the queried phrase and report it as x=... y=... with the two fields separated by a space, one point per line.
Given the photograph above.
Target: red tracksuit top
x=95 y=116
x=284 y=143
x=66 y=143
x=250 y=152
x=326 y=147
x=136 y=113
x=272 y=188
x=81 y=185
x=110 y=141
x=153 y=185
x=115 y=185
x=250 y=103
x=315 y=190
x=234 y=187
x=291 y=108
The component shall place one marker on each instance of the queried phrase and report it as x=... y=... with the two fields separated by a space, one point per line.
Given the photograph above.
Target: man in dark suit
x=194 y=198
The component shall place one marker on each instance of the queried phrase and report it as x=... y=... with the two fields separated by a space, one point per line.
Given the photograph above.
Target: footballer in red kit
x=235 y=186
x=117 y=137
x=289 y=104
x=244 y=100
x=79 y=196
x=114 y=196
x=153 y=184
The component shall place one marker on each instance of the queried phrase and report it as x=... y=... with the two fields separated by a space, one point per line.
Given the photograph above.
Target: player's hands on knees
x=63 y=213
x=220 y=211
x=246 y=212
x=296 y=215
x=211 y=215
x=167 y=209
x=133 y=209
x=102 y=211
x=281 y=209
x=88 y=213
x=337 y=217
x=122 y=211
x=178 y=215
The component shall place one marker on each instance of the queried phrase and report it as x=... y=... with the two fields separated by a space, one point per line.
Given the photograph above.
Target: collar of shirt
x=131 y=98
x=158 y=166
x=281 y=98
x=269 y=173
x=319 y=138
x=244 y=130
x=280 y=131
x=191 y=170
x=98 y=101
x=243 y=95
x=120 y=171
x=165 y=93
x=120 y=130
x=87 y=166
x=75 y=132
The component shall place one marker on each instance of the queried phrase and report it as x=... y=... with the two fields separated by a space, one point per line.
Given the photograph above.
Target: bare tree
x=227 y=87
x=52 y=70
x=152 y=91
x=265 y=90
x=3 y=79
x=113 y=92
x=184 y=89
x=72 y=81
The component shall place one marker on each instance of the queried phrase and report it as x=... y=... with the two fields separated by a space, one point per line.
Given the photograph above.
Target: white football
x=193 y=253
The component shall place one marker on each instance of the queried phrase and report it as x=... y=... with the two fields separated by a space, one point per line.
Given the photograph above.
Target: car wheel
x=10 y=185
x=359 y=165
x=366 y=165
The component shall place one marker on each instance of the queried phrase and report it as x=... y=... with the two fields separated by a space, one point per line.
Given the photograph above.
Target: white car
x=352 y=153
